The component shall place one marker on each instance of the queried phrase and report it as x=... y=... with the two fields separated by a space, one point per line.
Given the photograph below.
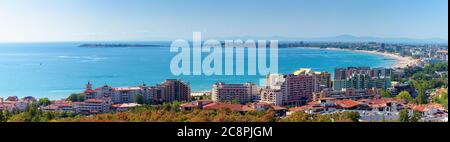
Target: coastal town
x=414 y=89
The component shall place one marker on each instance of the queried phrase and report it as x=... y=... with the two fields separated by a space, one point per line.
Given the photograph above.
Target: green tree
x=420 y=88
x=15 y=111
x=139 y=99
x=354 y=116
x=298 y=117
x=49 y=115
x=44 y=102
x=73 y=98
x=235 y=101
x=76 y=97
x=442 y=99
x=21 y=117
x=385 y=93
x=405 y=96
x=416 y=116
x=403 y=116
x=2 y=117
x=6 y=115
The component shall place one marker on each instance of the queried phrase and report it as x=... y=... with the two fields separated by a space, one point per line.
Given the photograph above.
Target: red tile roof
x=382 y=102
x=347 y=103
x=89 y=91
x=424 y=108
x=278 y=108
x=420 y=108
x=94 y=101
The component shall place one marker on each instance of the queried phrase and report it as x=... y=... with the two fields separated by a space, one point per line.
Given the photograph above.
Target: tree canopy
x=405 y=96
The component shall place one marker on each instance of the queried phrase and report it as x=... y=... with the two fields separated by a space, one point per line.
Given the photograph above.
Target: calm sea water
x=55 y=70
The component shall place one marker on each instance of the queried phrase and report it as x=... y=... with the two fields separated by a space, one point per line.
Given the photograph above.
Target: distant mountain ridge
x=344 y=38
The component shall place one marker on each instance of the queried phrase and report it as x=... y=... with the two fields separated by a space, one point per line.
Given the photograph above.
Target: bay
x=56 y=70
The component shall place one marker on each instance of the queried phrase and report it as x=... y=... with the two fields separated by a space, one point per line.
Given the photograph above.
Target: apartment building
x=243 y=93
x=92 y=106
x=293 y=89
x=272 y=96
x=362 y=78
x=168 y=91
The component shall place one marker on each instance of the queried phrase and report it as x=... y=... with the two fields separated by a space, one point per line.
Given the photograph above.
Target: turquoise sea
x=56 y=70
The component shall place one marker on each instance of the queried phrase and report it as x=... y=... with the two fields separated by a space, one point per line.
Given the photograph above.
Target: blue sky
x=93 y=20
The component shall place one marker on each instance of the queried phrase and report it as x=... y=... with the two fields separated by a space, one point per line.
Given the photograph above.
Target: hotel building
x=347 y=93
x=299 y=89
x=322 y=79
x=272 y=96
x=290 y=90
x=243 y=93
x=93 y=106
x=168 y=91
x=362 y=78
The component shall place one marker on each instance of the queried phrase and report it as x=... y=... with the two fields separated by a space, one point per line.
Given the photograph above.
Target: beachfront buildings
x=294 y=89
x=272 y=96
x=14 y=103
x=299 y=89
x=58 y=105
x=362 y=78
x=168 y=91
x=322 y=79
x=242 y=93
x=93 y=106
x=304 y=85
x=291 y=89
x=346 y=93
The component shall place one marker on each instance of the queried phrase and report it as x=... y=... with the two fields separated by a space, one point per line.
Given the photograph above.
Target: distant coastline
x=401 y=62
x=117 y=45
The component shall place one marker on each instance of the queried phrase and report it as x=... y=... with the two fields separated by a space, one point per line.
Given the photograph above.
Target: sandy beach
x=402 y=62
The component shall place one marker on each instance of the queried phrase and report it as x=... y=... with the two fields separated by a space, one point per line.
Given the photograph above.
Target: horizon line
x=282 y=38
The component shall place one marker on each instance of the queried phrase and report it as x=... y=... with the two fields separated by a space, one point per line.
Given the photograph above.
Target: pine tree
x=2 y=117
x=416 y=116
x=403 y=116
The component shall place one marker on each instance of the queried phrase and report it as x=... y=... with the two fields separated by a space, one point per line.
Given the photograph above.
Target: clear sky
x=87 y=20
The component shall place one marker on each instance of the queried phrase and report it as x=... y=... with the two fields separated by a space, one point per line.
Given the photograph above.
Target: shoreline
x=401 y=62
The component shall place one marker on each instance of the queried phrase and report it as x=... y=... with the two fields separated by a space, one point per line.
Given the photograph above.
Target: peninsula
x=117 y=45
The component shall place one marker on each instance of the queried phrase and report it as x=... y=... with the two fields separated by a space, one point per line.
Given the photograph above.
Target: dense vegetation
x=432 y=76
x=76 y=97
x=423 y=80
x=33 y=114
x=442 y=99
x=405 y=117
x=170 y=113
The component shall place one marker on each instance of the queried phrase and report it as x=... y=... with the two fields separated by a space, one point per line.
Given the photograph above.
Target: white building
x=93 y=106
x=243 y=93
x=125 y=106
x=272 y=96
